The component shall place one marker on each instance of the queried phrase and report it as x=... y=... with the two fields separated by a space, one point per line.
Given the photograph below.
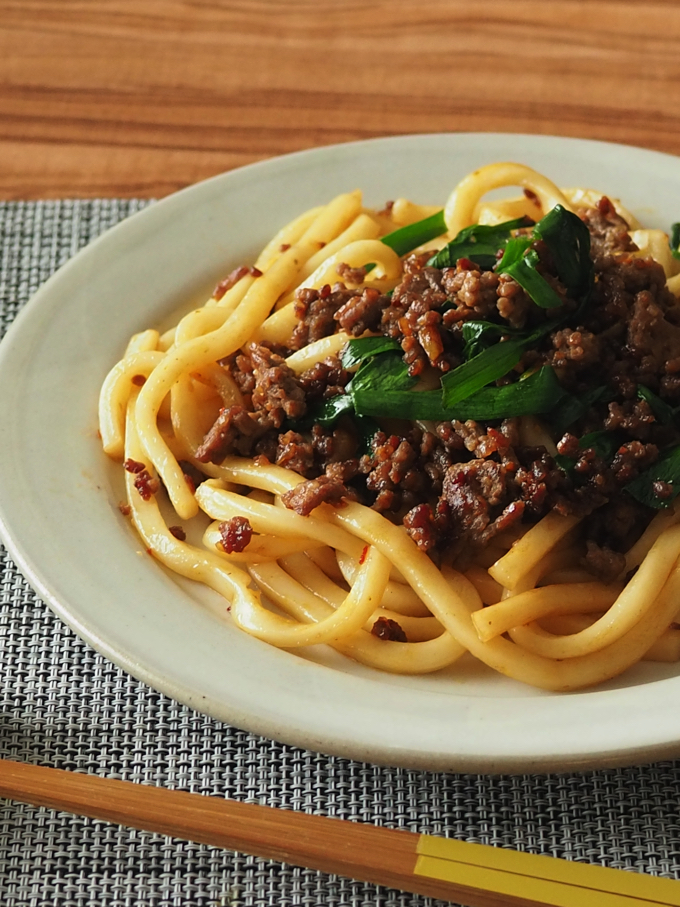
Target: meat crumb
x=133 y=466
x=386 y=628
x=178 y=532
x=146 y=485
x=236 y=534
x=232 y=279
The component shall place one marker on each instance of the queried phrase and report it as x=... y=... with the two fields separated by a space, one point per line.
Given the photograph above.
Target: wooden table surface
x=141 y=97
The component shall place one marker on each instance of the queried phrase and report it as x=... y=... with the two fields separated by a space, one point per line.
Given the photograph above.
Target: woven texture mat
x=64 y=705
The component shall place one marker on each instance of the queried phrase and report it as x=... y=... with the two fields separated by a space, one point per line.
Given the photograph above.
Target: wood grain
x=364 y=852
x=138 y=99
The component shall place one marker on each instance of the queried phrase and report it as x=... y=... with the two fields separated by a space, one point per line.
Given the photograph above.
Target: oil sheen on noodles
x=524 y=605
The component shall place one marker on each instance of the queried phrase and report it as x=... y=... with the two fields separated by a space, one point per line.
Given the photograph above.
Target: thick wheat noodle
x=288 y=235
x=363 y=227
x=262 y=547
x=302 y=569
x=639 y=551
x=666 y=648
x=396 y=657
x=237 y=329
x=628 y=608
x=279 y=326
x=360 y=602
x=317 y=351
x=224 y=505
x=556 y=559
x=444 y=601
x=460 y=207
x=526 y=553
x=576 y=598
x=398 y=596
x=114 y=396
x=187 y=560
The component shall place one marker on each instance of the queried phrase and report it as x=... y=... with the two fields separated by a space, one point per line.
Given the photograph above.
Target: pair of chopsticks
x=475 y=874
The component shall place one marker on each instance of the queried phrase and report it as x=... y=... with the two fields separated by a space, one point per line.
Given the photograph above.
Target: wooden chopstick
x=474 y=874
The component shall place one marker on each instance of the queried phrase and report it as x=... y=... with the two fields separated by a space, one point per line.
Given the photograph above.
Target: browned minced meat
x=178 y=533
x=133 y=466
x=232 y=279
x=604 y=562
x=235 y=534
x=609 y=235
x=316 y=312
x=456 y=485
x=309 y=495
x=146 y=484
x=387 y=628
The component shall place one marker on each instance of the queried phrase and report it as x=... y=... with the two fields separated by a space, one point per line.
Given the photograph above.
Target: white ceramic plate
x=59 y=494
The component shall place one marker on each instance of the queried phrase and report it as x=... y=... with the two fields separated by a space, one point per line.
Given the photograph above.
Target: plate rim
x=37 y=576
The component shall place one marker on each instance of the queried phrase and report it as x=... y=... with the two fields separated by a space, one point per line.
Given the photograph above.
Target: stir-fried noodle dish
x=414 y=433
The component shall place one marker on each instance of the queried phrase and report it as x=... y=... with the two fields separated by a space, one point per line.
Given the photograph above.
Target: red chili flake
x=236 y=534
x=231 y=279
x=464 y=264
x=124 y=508
x=531 y=195
x=325 y=291
x=134 y=466
x=284 y=247
x=149 y=551
x=364 y=554
x=178 y=532
x=138 y=380
x=146 y=485
x=386 y=628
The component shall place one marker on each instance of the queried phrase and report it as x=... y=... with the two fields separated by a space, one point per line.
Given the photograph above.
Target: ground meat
x=146 y=485
x=650 y=331
x=235 y=534
x=348 y=274
x=427 y=525
x=315 y=311
x=133 y=466
x=455 y=485
x=471 y=490
x=362 y=312
x=386 y=628
x=236 y=430
x=296 y=453
x=609 y=236
x=606 y=564
x=324 y=379
x=307 y=496
x=178 y=533
x=579 y=347
x=232 y=279
x=276 y=390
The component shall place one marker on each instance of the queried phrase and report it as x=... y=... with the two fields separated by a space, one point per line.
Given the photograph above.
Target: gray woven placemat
x=62 y=704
